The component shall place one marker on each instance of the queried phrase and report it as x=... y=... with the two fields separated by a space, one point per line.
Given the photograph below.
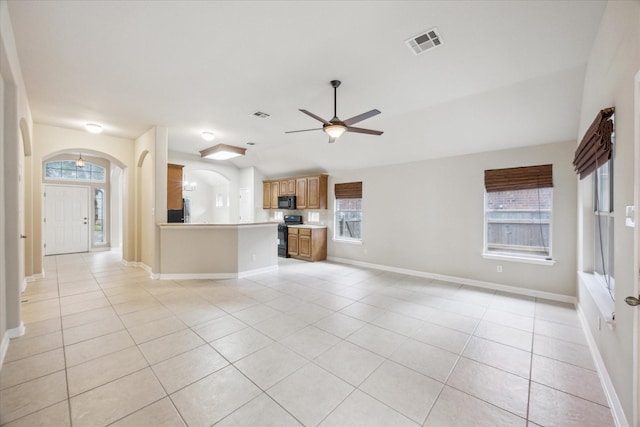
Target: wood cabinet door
x=292 y=244
x=266 y=195
x=287 y=187
x=174 y=186
x=275 y=192
x=304 y=244
x=301 y=193
x=313 y=192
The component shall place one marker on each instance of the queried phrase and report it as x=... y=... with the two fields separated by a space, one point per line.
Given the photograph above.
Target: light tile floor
x=312 y=344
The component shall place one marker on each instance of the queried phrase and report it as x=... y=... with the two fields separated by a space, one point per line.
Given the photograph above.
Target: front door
x=66 y=219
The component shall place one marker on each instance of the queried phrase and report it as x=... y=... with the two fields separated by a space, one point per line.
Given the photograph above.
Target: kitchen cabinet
x=174 y=187
x=310 y=191
x=301 y=193
x=317 y=192
x=288 y=187
x=292 y=241
x=275 y=192
x=308 y=243
x=266 y=194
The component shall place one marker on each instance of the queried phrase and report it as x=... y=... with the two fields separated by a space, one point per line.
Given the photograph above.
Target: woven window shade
x=349 y=190
x=523 y=178
x=595 y=148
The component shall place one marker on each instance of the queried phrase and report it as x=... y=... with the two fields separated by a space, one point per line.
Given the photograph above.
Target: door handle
x=85 y=220
x=22 y=236
x=632 y=301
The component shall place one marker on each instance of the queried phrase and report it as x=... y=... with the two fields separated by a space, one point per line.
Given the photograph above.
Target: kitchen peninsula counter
x=217 y=251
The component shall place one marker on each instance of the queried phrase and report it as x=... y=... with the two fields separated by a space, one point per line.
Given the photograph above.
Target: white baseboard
x=8 y=335
x=216 y=276
x=463 y=281
x=612 y=397
x=4 y=346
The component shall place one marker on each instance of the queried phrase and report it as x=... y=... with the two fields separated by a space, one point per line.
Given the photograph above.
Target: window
x=99 y=236
x=348 y=212
x=603 y=224
x=67 y=170
x=518 y=212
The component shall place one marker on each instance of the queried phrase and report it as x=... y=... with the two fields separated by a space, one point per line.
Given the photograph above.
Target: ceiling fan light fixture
x=335 y=130
x=222 y=152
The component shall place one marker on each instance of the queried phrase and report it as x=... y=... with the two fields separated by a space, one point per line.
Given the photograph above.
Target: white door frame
x=636 y=254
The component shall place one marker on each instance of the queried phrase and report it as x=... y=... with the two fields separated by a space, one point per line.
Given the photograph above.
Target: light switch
x=630 y=216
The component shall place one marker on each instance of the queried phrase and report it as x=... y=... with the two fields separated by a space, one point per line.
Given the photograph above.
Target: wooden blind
x=522 y=178
x=595 y=148
x=349 y=190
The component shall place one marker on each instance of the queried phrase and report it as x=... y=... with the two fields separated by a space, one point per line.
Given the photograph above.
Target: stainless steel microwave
x=287 y=202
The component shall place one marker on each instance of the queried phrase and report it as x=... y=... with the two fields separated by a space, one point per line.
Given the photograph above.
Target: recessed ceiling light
x=93 y=128
x=208 y=136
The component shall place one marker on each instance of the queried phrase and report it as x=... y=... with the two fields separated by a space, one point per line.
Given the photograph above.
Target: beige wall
x=609 y=82
x=429 y=217
x=49 y=141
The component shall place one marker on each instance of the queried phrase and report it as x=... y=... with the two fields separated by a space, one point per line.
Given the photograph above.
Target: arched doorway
x=206 y=195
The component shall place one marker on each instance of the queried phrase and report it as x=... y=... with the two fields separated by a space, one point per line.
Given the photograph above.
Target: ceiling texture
x=508 y=74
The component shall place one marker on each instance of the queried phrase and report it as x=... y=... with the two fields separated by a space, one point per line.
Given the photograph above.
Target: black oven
x=283 y=234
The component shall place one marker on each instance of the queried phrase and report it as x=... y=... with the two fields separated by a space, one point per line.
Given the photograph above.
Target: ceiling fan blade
x=367 y=131
x=320 y=119
x=303 y=130
x=360 y=117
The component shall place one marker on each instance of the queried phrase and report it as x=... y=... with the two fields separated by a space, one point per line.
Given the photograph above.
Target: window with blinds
x=348 y=212
x=518 y=211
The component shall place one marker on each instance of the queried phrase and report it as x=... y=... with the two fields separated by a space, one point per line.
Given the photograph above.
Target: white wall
x=609 y=82
x=429 y=217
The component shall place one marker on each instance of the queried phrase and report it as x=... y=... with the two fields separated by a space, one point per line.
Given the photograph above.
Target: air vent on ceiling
x=260 y=115
x=425 y=41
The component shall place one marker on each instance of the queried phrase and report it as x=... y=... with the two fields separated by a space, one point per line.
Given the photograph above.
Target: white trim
x=463 y=281
x=239 y=275
x=4 y=346
x=515 y=258
x=129 y=263
x=347 y=241
x=610 y=392
x=16 y=332
x=23 y=287
x=35 y=277
x=595 y=287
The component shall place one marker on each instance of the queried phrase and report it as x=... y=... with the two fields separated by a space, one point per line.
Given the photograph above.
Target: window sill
x=503 y=257
x=350 y=242
x=596 y=288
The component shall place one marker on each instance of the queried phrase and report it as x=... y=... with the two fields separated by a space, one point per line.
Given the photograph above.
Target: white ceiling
x=509 y=74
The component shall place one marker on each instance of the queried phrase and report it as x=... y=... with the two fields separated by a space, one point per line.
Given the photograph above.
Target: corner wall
x=609 y=82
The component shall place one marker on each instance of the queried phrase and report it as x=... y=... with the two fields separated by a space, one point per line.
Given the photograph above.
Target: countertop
x=307 y=226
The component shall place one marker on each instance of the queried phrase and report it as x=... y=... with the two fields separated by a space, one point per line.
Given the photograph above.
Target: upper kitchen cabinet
x=174 y=186
x=288 y=187
x=310 y=191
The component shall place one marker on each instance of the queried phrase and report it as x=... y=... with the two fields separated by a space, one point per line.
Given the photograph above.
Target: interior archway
x=206 y=195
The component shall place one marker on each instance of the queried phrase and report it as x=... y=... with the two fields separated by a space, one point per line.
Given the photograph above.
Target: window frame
x=606 y=279
x=342 y=239
x=87 y=168
x=516 y=257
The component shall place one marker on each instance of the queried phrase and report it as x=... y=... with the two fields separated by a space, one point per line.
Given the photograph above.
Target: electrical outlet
x=253 y=257
x=365 y=251
x=499 y=269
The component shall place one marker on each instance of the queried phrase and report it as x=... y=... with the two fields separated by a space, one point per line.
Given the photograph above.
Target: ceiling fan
x=336 y=127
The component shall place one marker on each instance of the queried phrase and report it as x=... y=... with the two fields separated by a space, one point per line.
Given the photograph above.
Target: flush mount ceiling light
x=208 y=136
x=222 y=152
x=80 y=162
x=93 y=128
